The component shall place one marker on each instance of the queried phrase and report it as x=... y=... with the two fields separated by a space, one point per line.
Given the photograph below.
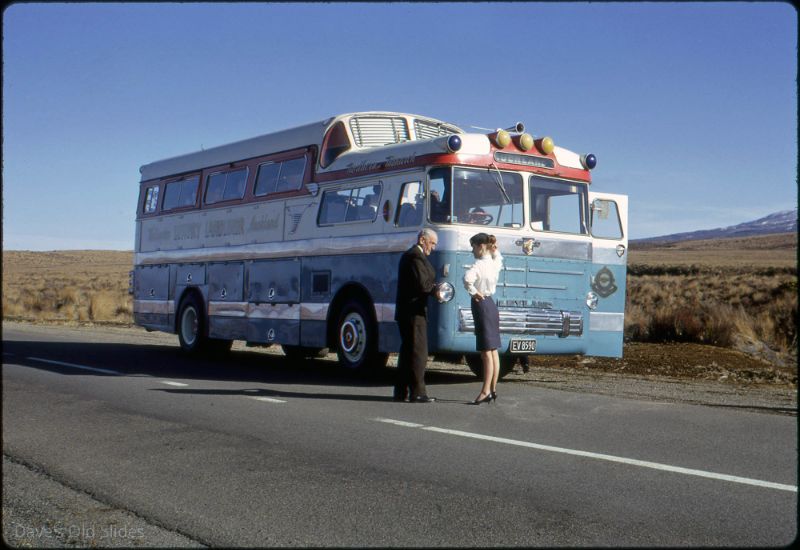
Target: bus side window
x=267 y=178
x=180 y=193
x=151 y=199
x=409 y=211
x=291 y=177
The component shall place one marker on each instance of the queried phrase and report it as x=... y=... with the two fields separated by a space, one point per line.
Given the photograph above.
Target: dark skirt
x=487 y=324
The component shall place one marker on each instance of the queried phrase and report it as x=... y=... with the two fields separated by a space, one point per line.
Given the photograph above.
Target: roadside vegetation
x=739 y=294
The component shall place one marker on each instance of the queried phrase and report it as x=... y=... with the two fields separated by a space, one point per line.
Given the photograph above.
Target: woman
x=480 y=280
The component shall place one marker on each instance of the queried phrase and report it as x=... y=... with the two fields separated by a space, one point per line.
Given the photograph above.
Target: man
x=415 y=282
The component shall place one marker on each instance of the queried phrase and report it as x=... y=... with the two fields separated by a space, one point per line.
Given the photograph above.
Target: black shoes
x=487 y=399
x=494 y=396
x=422 y=399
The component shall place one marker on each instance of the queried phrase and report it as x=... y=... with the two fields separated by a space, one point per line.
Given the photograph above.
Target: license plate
x=522 y=346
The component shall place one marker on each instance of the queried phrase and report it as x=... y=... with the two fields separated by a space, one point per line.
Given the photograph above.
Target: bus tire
x=475 y=364
x=302 y=352
x=192 y=325
x=357 y=338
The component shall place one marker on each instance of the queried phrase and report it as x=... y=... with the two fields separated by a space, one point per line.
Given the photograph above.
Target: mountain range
x=784 y=221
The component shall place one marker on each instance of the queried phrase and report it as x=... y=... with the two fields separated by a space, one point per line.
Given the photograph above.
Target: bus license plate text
x=522 y=346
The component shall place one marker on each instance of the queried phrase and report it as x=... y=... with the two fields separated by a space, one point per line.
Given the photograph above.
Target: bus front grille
x=530 y=321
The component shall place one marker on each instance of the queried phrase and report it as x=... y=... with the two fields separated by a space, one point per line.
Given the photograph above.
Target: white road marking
x=399 y=422
x=74 y=366
x=177 y=384
x=599 y=456
x=266 y=399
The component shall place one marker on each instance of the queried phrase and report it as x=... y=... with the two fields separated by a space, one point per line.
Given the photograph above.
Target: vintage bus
x=294 y=238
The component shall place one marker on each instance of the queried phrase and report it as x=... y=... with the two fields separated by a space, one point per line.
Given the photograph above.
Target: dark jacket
x=415 y=282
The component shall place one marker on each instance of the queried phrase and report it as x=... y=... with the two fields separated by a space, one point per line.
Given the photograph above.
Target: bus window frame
x=166 y=182
x=230 y=170
x=140 y=212
x=303 y=181
x=350 y=187
x=309 y=153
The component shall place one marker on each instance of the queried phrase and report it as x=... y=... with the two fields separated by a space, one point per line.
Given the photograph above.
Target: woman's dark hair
x=482 y=238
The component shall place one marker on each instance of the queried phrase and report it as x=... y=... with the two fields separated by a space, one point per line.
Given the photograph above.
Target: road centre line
x=598 y=456
x=176 y=384
x=74 y=366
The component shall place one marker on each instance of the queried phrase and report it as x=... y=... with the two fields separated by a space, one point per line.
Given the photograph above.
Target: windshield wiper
x=499 y=182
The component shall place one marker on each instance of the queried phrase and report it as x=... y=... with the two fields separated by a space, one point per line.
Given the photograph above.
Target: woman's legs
x=491 y=372
x=495 y=370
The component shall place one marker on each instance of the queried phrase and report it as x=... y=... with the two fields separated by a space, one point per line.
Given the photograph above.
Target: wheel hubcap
x=353 y=337
x=189 y=325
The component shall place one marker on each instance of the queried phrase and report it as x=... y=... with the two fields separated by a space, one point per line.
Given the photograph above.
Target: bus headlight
x=591 y=300
x=453 y=143
x=445 y=292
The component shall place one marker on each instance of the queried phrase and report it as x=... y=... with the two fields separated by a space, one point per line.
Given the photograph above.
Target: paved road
x=253 y=451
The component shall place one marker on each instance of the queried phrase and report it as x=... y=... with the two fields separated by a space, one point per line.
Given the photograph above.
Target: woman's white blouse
x=483 y=275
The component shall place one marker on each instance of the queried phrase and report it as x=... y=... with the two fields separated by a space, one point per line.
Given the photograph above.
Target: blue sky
x=690 y=108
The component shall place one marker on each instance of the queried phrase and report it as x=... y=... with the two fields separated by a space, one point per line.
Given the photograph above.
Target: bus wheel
x=192 y=329
x=357 y=339
x=301 y=352
x=191 y=325
x=475 y=364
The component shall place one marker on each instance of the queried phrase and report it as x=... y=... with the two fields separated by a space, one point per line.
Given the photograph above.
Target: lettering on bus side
x=222 y=228
x=263 y=222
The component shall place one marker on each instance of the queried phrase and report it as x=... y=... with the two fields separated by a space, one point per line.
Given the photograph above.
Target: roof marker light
x=502 y=138
x=589 y=161
x=453 y=143
x=525 y=142
x=545 y=145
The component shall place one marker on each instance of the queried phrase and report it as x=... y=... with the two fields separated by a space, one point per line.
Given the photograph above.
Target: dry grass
x=739 y=293
x=74 y=285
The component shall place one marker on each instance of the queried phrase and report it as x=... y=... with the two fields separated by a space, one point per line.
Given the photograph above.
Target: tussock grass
x=82 y=285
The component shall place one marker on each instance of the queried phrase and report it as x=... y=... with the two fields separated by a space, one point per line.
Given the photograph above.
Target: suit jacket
x=416 y=279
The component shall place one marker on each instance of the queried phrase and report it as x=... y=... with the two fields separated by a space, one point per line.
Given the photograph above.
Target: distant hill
x=779 y=222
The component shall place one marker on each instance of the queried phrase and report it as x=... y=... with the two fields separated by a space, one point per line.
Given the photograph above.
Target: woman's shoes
x=487 y=399
x=494 y=396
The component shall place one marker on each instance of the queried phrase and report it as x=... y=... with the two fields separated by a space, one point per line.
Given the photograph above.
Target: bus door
x=609 y=230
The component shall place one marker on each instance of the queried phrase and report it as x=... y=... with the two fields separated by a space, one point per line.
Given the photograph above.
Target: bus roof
x=285 y=140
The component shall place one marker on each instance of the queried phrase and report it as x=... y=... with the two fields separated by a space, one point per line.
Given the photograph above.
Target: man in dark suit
x=415 y=282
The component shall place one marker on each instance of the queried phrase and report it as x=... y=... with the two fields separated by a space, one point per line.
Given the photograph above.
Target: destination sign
x=524 y=160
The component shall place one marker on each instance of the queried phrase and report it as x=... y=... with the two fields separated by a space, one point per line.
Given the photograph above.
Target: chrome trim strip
x=228 y=309
x=286 y=312
x=384 y=313
x=313 y=311
x=610 y=322
x=555 y=271
x=163 y=307
x=530 y=321
x=548 y=287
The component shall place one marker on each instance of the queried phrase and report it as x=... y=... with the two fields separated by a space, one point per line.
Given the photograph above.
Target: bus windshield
x=476 y=197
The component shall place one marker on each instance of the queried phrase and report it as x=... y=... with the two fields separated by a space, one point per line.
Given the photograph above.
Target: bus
x=293 y=238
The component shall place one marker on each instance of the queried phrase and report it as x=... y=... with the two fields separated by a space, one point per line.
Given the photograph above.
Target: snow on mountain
x=784 y=221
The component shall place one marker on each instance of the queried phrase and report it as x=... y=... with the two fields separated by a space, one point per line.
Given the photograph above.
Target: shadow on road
x=236 y=366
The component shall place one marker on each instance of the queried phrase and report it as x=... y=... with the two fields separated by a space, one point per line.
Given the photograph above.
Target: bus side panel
x=324 y=280
x=273 y=301
x=226 y=309
x=152 y=307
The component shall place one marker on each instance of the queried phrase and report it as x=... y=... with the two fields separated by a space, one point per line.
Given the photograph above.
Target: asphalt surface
x=105 y=430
